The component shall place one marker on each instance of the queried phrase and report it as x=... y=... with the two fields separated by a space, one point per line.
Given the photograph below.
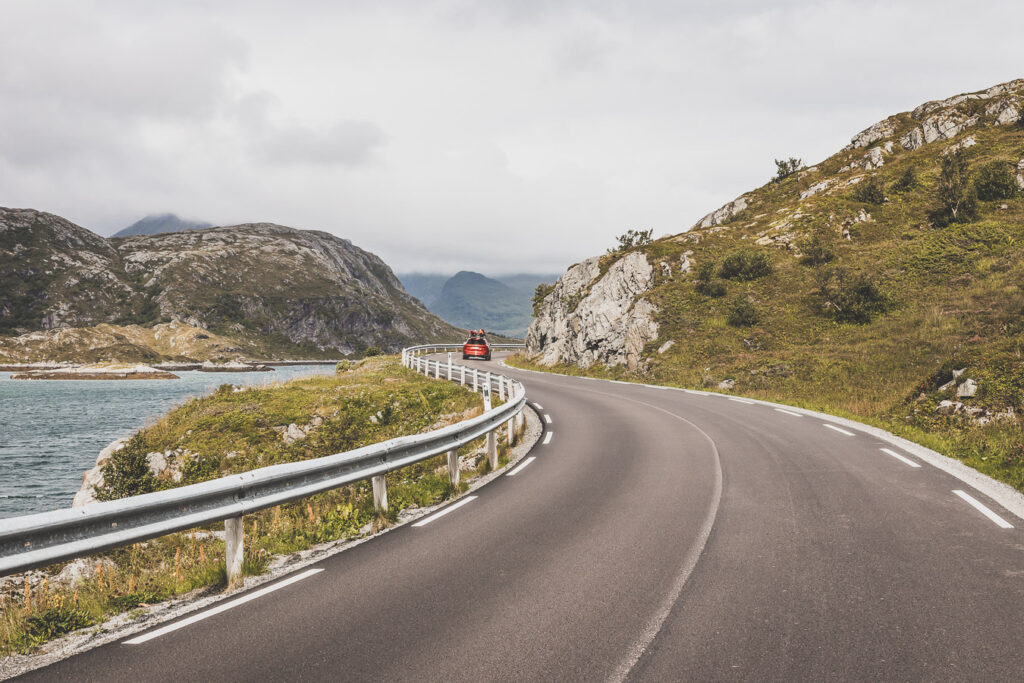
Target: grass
x=939 y=299
x=231 y=431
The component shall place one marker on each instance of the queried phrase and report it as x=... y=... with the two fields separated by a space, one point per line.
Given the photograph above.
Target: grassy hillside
x=850 y=286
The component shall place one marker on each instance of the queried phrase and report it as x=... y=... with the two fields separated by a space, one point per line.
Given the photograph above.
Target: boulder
x=868 y=136
x=947 y=407
x=913 y=140
x=816 y=188
x=666 y=346
x=93 y=478
x=967 y=389
x=727 y=384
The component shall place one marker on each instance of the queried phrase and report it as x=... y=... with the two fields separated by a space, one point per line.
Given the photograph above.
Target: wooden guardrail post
x=234 y=549
x=380 y=494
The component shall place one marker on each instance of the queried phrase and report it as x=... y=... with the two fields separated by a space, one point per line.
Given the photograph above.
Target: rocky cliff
x=278 y=289
x=591 y=317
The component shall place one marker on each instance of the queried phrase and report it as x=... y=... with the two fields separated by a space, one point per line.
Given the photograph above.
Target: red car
x=476 y=346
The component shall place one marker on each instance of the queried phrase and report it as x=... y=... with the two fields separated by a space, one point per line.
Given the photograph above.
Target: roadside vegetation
x=234 y=430
x=876 y=296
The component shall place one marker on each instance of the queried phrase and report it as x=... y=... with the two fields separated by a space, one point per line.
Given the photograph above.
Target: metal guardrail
x=33 y=541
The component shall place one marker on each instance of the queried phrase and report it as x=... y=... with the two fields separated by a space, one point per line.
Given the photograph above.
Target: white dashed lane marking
x=980 y=507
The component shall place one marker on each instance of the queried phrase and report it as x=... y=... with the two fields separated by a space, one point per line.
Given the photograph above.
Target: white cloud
x=458 y=134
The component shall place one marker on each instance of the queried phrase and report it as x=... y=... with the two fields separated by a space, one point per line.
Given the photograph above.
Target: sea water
x=52 y=430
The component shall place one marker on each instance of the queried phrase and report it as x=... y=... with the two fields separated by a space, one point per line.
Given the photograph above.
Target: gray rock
x=968 y=141
x=93 y=478
x=967 y=389
x=945 y=126
x=913 y=140
x=666 y=269
x=948 y=407
x=816 y=188
x=723 y=214
x=666 y=346
x=1020 y=174
x=727 y=384
x=157 y=463
x=293 y=433
x=868 y=136
x=1004 y=112
x=81 y=569
x=873 y=159
x=685 y=264
x=586 y=320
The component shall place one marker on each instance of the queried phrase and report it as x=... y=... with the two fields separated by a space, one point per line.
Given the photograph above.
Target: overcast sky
x=493 y=136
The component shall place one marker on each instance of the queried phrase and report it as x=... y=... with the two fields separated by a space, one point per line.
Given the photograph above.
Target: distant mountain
x=160 y=223
x=424 y=286
x=471 y=300
x=275 y=289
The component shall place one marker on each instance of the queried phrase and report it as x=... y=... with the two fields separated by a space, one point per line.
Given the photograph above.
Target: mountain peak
x=157 y=223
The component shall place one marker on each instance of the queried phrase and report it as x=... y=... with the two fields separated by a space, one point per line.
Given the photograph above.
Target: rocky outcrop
x=588 y=319
x=723 y=214
x=872 y=134
x=93 y=478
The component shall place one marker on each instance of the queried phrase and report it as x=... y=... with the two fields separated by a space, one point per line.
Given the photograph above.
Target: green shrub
x=742 y=313
x=996 y=180
x=818 y=248
x=851 y=297
x=127 y=473
x=50 y=624
x=870 y=191
x=706 y=282
x=958 y=201
x=539 y=294
x=746 y=264
x=632 y=238
x=786 y=167
x=371 y=351
x=906 y=181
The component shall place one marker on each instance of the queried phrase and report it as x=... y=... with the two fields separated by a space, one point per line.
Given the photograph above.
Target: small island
x=98 y=371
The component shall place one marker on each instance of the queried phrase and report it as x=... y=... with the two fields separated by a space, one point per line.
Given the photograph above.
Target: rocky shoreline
x=101 y=371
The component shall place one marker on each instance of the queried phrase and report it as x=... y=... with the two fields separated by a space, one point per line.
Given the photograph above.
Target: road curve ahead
x=655 y=535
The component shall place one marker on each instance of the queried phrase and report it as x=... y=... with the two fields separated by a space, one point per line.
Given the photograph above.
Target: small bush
x=51 y=624
x=127 y=473
x=996 y=180
x=371 y=351
x=870 y=191
x=818 y=248
x=906 y=181
x=632 y=238
x=746 y=264
x=786 y=167
x=706 y=282
x=958 y=201
x=852 y=297
x=742 y=313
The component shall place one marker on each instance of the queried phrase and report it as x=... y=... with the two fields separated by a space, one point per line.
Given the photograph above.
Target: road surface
x=656 y=535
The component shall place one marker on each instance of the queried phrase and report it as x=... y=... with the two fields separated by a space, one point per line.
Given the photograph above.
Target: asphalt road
x=658 y=535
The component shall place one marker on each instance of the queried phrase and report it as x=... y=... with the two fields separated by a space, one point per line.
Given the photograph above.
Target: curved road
x=658 y=535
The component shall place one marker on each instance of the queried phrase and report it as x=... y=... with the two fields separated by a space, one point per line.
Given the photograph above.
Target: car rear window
x=476 y=340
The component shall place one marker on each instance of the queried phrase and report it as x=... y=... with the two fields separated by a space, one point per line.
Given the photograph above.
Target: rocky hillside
x=282 y=291
x=859 y=284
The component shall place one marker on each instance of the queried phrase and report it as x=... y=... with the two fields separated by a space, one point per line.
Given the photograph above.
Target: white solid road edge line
x=547 y=439
x=900 y=457
x=442 y=513
x=538 y=406
x=977 y=505
x=547 y=418
x=220 y=608
x=838 y=429
x=788 y=412
x=521 y=467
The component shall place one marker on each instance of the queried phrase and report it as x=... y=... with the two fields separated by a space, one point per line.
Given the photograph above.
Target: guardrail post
x=437 y=369
x=453 y=466
x=474 y=380
x=501 y=387
x=234 y=548
x=380 y=494
x=509 y=432
x=462 y=375
x=487 y=381
x=449 y=366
